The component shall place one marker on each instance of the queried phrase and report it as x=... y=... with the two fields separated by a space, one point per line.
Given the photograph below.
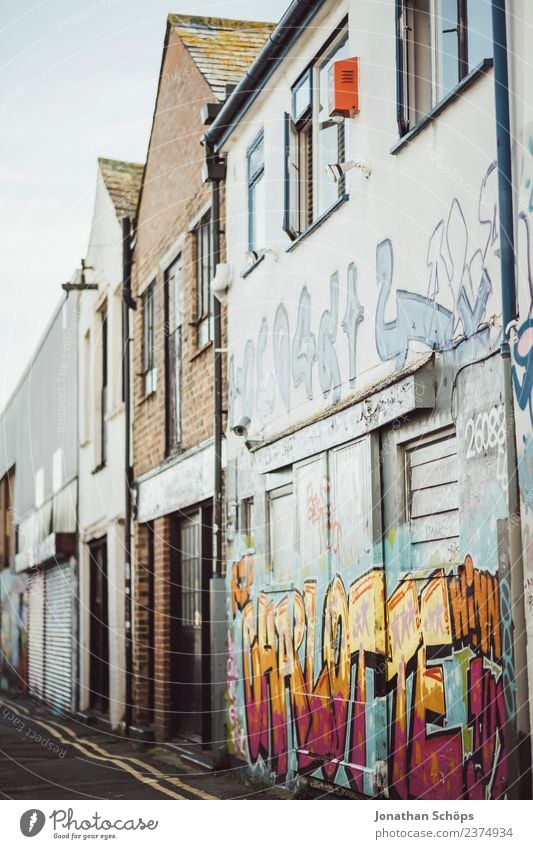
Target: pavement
x=45 y=756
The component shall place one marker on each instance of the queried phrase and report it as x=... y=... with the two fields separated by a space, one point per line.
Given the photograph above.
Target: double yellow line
x=98 y=753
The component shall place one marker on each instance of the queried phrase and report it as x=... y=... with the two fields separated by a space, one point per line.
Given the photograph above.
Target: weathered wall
x=384 y=660
x=520 y=22
x=174 y=198
x=101 y=488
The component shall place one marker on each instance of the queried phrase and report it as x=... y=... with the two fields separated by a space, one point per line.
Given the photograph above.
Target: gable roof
x=123 y=182
x=221 y=48
x=291 y=25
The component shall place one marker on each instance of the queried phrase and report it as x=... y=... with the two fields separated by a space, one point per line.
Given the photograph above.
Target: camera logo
x=32 y=822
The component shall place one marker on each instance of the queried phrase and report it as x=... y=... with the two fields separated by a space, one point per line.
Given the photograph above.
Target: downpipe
x=511 y=568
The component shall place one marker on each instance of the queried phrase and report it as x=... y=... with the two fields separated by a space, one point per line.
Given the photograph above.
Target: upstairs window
x=104 y=388
x=149 y=362
x=173 y=340
x=313 y=141
x=440 y=43
x=256 y=194
x=204 y=275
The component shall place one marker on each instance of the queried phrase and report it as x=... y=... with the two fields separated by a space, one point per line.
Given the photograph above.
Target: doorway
x=99 y=628
x=190 y=631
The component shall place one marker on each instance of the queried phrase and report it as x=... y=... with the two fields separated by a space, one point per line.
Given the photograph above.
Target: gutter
x=514 y=676
x=298 y=16
x=127 y=304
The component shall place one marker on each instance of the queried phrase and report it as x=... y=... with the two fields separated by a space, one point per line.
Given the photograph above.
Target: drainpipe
x=511 y=573
x=215 y=174
x=127 y=304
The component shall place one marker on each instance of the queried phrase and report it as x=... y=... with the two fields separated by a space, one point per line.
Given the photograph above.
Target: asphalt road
x=43 y=756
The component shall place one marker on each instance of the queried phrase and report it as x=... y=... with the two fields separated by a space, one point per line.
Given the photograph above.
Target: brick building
x=173 y=394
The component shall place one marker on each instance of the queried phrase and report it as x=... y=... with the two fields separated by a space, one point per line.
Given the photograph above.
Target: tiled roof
x=222 y=48
x=123 y=182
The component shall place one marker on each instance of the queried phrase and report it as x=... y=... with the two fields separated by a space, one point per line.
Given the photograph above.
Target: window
x=256 y=194
x=313 y=141
x=204 y=274
x=174 y=319
x=87 y=393
x=149 y=364
x=247 y=520
x=440 y=43
x=103 y=386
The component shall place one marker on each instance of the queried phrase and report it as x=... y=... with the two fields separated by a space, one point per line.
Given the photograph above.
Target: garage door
x=36 y=634
x=58 y=637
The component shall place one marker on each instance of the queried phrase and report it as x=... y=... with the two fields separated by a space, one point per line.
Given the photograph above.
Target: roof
x=290 y=27
x=123 y=182
x=221 y=48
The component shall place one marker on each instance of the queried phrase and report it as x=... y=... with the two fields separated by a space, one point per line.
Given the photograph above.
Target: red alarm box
x=343 y=88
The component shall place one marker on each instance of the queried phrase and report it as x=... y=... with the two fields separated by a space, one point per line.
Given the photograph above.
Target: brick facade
x=173 y=199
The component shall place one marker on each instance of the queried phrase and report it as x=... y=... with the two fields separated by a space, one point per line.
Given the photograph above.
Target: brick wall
x=173 y=199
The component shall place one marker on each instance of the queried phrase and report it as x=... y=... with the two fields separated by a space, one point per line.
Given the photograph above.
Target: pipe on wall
x=127 y=304
x=517 y=725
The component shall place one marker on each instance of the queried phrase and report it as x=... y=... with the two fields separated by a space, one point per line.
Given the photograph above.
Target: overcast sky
x=77 y=80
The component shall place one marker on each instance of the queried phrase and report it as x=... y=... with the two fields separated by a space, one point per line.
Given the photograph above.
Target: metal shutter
x=36 y=634
x=434 y=504
x=58 y=638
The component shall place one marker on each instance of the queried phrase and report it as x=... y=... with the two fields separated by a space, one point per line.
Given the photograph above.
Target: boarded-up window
x=433 y=503
x=281 y=521
x=312 y=492
x=350 y=523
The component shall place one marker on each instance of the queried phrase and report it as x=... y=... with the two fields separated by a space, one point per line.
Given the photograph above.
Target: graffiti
x=304 y=346
x=245 y=385
x=459 y=285
x=242 y=578
x=353 y=317
x=328 y=364
x=236 y=733
x=266 y=390
x=294 y=357
x=313 y=674
x=522 y=371
x=485 y=432
x=417 y=318
x=525 y=475
x=461 y=281
x=318 y=514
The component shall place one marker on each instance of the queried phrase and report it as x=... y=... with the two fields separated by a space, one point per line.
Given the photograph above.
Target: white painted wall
x=407 y=200
x=520 y=42
x=101 y=496
x=432 y=208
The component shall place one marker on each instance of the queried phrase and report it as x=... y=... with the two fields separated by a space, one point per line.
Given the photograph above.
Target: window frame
x=301 y=129
x=203 y=288
x=409 y=117
x=104 y=381
x=173 y=391
x=280 y=492
x=254 y=177
x=149 y=371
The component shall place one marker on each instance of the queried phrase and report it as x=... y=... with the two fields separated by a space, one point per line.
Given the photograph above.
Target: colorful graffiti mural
x=315 y=677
